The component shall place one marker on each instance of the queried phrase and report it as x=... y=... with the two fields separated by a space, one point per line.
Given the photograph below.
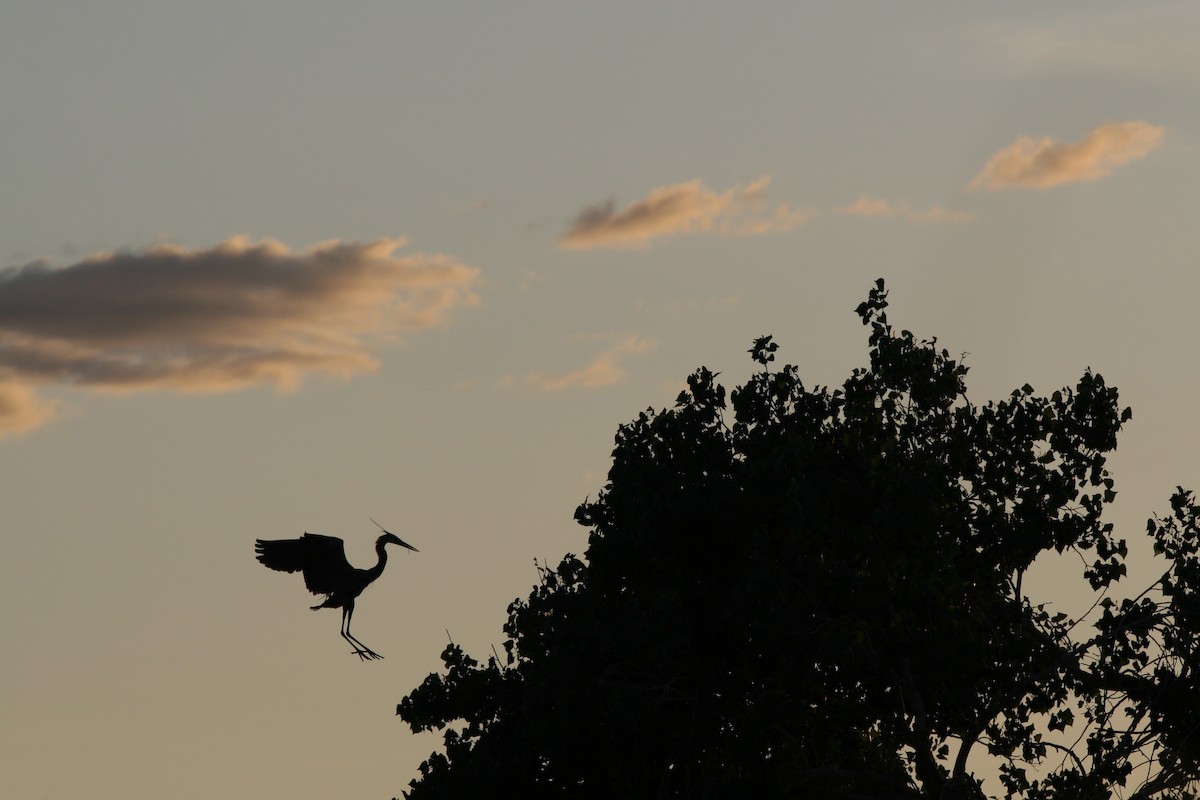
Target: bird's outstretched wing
x=322 y=559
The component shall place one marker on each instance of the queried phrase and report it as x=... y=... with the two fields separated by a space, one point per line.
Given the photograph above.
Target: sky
x=276 y=267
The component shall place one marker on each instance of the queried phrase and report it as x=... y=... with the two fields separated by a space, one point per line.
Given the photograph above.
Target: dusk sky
x=273 y=267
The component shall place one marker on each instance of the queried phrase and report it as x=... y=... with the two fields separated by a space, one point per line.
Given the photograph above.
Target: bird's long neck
x=381 y=553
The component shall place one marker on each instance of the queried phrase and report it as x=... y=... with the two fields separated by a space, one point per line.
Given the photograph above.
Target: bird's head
x=391 y=538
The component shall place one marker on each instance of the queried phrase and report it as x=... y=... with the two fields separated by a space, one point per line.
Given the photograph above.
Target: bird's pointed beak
x=397 y=540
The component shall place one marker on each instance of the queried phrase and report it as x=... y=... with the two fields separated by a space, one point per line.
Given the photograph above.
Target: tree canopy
x=808 y=591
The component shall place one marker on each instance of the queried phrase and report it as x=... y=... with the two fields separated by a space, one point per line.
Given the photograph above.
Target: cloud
x=1123 y=41
x=782 y=220
x=1044 y=164
x=867 y=206
x=21 y=409
x=216 y=319
x=681 y=208
x=604 y=370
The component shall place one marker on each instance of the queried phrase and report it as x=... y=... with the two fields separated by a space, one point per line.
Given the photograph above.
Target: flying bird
x=322 y=559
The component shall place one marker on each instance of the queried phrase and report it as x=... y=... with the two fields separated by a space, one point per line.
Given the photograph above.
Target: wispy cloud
x=867 y=206
x=783 y=219
x=1044 y=164
x=681 y=208
x=216 y=319
x=1127 y=41
x=21 y=409
x=604 y=370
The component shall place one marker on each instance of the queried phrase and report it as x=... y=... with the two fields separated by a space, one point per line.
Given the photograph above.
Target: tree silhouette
x=823 y=597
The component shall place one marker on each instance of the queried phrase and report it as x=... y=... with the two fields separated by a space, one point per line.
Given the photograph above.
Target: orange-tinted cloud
x=867 y=206
x=783 y=219
x=604 y=370
x=681 y=208
x=1027 y=163
x=21 y=409
x=215 y=319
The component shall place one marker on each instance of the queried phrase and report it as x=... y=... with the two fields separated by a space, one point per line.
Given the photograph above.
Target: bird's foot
x=366 y=655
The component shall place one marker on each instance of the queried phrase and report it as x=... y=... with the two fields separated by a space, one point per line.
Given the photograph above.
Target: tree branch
x=922 y=733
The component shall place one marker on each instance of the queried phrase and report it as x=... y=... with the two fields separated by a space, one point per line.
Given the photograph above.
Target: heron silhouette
x=322 y=559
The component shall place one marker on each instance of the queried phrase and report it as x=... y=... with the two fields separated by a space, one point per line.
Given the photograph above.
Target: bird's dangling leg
x=361 y=650
x=358 y=649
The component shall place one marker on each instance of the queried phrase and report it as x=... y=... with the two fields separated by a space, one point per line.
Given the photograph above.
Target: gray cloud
x=214 y=319
x=1133 y=41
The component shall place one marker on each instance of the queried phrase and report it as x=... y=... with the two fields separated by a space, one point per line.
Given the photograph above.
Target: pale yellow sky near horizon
x=276 y=267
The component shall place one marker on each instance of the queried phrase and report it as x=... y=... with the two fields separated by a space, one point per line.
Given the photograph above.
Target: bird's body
x=322 y=560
